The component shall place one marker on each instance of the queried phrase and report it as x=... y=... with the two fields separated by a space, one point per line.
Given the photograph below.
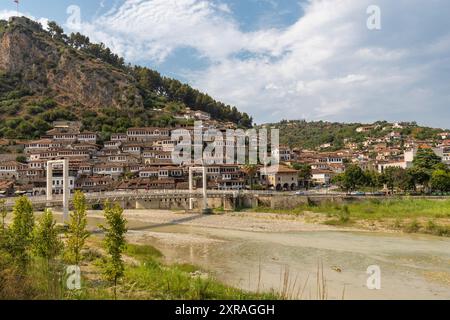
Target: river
x=412 y=266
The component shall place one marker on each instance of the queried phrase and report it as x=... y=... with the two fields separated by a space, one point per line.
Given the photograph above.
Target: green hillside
x=311 y=135
x=48 y=75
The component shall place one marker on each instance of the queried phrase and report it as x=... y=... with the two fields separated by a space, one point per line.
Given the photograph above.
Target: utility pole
x=17 y=6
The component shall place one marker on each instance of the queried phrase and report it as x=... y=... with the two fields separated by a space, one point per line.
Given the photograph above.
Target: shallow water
x=412 y=266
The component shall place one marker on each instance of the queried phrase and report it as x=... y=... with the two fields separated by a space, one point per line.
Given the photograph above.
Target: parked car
x=358 y=193
x=299 y=193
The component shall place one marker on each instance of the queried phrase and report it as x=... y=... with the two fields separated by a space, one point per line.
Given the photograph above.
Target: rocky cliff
x=47 y=66
x=46 y=75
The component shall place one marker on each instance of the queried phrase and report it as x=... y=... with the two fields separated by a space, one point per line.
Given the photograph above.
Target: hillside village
x=141 y=159
x=64 y=97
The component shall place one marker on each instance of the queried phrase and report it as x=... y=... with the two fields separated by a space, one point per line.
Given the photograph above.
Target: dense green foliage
x=428 y=172
x=147 y=277
x=407 y=214
x=311 y=135
x=151 y=83
x=115 y=243
x=426 y=159
x=21 y=231
x=46 y=241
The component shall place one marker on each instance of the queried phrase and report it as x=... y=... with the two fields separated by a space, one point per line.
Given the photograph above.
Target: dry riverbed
x=266 y=222
x=241 y=221
x=253 y=251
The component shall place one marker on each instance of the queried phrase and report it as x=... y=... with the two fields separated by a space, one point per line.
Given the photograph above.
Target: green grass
x=148 y=278
x=400 y=208
x=435 y=229
x=409 y=209
x=142 y=252
x=376 y=209
x=412 y=227
x=154 y=280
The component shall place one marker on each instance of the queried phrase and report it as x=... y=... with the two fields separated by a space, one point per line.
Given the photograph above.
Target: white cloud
x=6 y=14
x=153 y=29
x=224 y=7
x=325 y=65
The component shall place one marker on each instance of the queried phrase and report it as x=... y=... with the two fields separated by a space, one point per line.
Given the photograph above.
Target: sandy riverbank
x=242 y=221
x=141 y=223
x=243 y=248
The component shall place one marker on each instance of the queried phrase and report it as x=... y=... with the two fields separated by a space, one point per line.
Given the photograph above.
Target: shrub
x=435 y=229
x=412 y=227
x=344 y=214
x=397 y=224
x=140 y=250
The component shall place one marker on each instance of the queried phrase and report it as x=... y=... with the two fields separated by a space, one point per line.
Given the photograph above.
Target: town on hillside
x=141 y=159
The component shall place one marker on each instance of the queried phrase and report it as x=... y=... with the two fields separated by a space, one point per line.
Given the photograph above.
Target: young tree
x=3 y=213
x=77 y=233
x=47 y=243
x=250 y=170
x=114 y=243
x=21 y=231
x=304 y=173
x=3 y=230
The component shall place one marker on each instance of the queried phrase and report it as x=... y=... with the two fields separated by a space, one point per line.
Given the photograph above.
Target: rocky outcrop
x=50 y=67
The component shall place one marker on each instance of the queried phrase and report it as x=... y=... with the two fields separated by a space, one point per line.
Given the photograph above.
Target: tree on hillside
x=426 y=159
x=78 y=41
x=21 y=232
x=77 y=233
x=114 y=243
x=56 y=31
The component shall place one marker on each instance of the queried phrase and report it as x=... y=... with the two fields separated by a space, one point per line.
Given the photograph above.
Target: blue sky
x=282 y=59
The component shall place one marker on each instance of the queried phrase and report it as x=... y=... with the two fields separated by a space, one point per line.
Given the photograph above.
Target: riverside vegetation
x=34 y=257
x=402 y=214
